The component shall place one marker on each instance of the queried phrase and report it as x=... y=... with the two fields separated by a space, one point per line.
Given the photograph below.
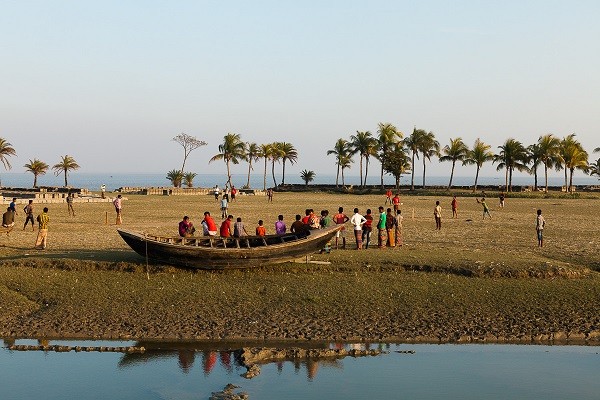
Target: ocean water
x=115 y=181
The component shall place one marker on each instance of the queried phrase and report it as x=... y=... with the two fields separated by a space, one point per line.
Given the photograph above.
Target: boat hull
x=198 y=252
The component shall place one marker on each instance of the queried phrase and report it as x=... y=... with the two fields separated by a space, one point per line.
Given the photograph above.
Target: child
x=224 y=206
x=454 y=207
x=260 y=229
x=539 y=227
x=486 y=209
x=437 y=214
x=239 y=230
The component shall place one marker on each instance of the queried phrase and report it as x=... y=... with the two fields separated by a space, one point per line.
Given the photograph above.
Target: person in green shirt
x=42 y=236
x=486 y=209
x=381 y=232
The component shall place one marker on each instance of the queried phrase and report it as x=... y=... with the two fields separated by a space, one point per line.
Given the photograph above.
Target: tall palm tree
x=595 y=168
x=232 y=150
x=345 y=163
x=428 y=147
x=512 y=155
x=66 y=164
x=573 y=157
x=457 y=150
x=276 y=155
x=549 y=153
x=6 y=150
x=341 y=150
x=365 y=145
x=252 y=155
x=387 y=136
x=534 y=157
x=37 y=168
x=478 y=155
x=288 y=153
x=188 y=178
x=397 y=162
x=265 y=151
x=413 y=142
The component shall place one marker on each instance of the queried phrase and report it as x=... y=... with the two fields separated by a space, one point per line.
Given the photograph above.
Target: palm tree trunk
x=273 y=173
x=476 y=178
x=423 y=171
x=546 y=176
x=566 y=183
x=535 y=180
x=361 y=174
x=283 y=173
x=228 y=175
x=249 y=168
x=510 y=180
x=34 y=180
x=343 y=180
x=506 y=179
x=382 y=161
x=412 y=178
x=337 y=176
x=66 y=183
x=366 y=169
x=571 y=170
x=451 y=175
x=265 y=176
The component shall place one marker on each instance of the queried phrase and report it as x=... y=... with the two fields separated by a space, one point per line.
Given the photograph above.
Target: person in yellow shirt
x=42 y=236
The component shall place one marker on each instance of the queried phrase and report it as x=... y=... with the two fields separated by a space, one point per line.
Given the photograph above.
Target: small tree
x=397 y=162
x=175 y=177
x=189 y=144
x=37 y=168
x=66 y=164
x=6 y=150
x=307 y=176
x=188 y=177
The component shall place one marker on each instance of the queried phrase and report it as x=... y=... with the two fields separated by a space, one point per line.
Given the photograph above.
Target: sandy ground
x=475 y=280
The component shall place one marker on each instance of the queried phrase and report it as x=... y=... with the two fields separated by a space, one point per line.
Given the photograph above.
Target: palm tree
x=387 y=136
x=549 y=153
x=413 y=142
x=188 y=177
x=595 y=168
x=428 y=147
x=175 y=176
x=365 y=145
x=252 y=155
x=479 y=155
x=307 y=176
x=345 y=162
x=513 y=155
x=231 y=151
x=265 y=151
x=288 y=153
x=341 y=150
x=6 y=150
x=397 y=162
x=573 y=157
x=66 y=164
x=457 y=150
x=534 y=157
x=37 y=168
x=276 y=155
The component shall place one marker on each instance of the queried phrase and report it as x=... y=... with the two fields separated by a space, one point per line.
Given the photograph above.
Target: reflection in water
x=209 y=359
x=186 y=359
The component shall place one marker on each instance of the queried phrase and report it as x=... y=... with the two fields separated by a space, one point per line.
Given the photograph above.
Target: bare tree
x=189 y=143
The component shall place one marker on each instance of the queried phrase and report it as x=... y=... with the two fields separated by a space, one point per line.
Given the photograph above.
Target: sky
x=112 y=82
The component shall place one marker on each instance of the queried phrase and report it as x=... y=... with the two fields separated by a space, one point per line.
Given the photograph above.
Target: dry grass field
x=475 y=280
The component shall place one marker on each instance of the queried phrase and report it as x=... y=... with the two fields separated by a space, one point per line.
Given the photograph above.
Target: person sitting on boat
x=298 y=226
x=239 y=230
x=225 y=230
x=211 y=226
x=260 y=229
x=280 y=227
x=186 y=228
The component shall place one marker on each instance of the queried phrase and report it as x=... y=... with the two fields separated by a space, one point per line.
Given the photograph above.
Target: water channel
x=195 y=370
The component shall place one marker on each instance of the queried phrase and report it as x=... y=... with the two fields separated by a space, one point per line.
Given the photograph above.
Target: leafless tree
x=189 y=143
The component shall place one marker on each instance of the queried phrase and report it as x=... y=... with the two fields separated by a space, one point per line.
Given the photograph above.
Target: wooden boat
x=210 y=252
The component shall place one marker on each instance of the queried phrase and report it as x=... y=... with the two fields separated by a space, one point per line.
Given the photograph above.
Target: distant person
x=8 y=220
x=216 y=192
x=211 y=226
x=225 y=230
x=486 y=209
x=13 y=205
x=437 y=214
x=367 y=229
x=539 y=227
x=388 y=196
x=42 y=237
x=260 y=229
x=70 y=208
x=357 y=221
x=270 y=195
x=233 y=193
x=118 y=203
x=224 y=205
x=28 y=210
x=340 y=219
x=280 y=227
x=381 y=237
x=454 y=205
x=396 y=202
x=501 y=197
x=186 y=228
x=226 y=193
x=103 y=190
x=239 y=229
x=399 y=219
x=390 y=228
x=298 y=226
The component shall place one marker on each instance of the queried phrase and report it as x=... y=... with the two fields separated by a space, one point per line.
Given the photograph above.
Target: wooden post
x=413 y=213
x=106 y=218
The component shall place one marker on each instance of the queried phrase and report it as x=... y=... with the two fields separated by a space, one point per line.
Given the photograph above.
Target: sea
x=113 y=181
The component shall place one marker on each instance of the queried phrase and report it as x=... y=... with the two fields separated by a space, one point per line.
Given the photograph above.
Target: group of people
x=8 y=221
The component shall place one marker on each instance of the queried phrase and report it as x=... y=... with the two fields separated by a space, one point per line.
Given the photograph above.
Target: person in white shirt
x=357 y=221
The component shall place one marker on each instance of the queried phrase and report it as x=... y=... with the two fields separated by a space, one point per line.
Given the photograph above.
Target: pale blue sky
x=111 y=82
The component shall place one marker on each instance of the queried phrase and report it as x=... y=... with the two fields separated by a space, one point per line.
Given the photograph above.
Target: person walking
x=42 y=237
x=70 y=208
x=454 y=205
x=118 y=203
x=28 y=210
x=486 y=209
x=437 y=214
x=539 y=227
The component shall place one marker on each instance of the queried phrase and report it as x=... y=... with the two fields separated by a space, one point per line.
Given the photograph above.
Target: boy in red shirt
x=225 y=230
x=260 y=229
x=340 y=218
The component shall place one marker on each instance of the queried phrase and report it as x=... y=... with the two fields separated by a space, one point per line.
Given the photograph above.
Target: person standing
x=454 y=207
x=539 y=227
x=70 y=208
x=270 y=195
x=437 y=214
x=233 y=193
x=381 y=228
x=118 y=203
x=486 y=209
x=390 y=228
x=367 y=229
x=280 y=227
x=13 y=205
x=103 y=190
x=399 y=219
x=216 y=192
x=340 y=219
x=42 y=237
x=388 y=196
x=29 y=215
x=501 y=197
x=396 y=202
x=357 y=221
x=8 y=220
x=224 y=203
